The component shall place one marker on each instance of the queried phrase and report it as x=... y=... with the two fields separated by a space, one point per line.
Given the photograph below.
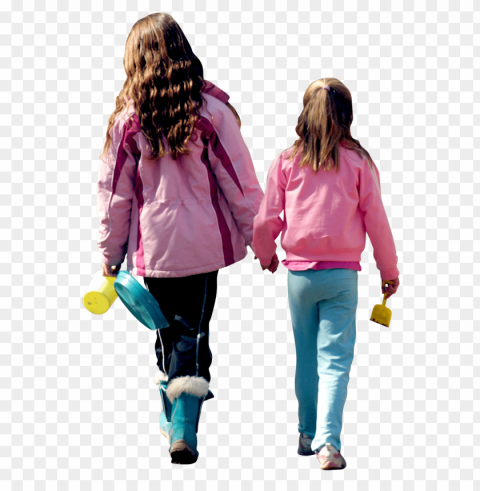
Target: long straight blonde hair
x=324 y=124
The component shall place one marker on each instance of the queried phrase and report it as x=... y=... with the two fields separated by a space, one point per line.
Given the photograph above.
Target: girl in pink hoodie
x=177 y=194
x=329 y=190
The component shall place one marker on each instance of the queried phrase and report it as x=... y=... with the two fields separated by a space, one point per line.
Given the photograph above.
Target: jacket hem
x=342 y=256
x=156 y=273
x=317 y=265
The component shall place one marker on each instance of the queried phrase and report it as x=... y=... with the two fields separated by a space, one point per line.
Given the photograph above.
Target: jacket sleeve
x=376 y=221
x=233 y=168
x=116 y=187
x=268 y=223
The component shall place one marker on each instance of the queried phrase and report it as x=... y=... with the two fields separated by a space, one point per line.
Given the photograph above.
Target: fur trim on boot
x=160 y=377
x=196 y=386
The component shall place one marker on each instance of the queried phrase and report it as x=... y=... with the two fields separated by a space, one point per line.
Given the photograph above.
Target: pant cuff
x=196 y=386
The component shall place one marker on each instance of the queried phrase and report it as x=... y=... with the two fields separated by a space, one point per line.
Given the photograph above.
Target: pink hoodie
x=326 y=214
x=184 y=217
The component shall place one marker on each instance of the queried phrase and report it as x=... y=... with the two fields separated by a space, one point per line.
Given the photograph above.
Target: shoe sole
x=181 y=453
x=330 y=466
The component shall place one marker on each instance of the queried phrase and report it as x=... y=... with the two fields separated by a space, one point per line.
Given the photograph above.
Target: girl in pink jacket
x=329 y=190
x=177 y=194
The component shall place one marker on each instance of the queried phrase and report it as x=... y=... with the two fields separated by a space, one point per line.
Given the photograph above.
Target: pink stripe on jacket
x=184 y=217
x=326 y=214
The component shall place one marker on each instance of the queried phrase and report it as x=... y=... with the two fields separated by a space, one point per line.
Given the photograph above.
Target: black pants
x=187 y=303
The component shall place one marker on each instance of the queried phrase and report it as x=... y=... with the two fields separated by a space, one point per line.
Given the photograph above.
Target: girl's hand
x=110 y=270
x=272 y=267
x=390 y=289
x=274 y=264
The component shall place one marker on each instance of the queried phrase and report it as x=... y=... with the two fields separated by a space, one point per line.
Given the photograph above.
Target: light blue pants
x=323 y=307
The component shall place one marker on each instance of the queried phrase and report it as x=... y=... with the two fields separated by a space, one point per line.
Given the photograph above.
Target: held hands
x=390 y=289
x=272 y=267
x=110 y=270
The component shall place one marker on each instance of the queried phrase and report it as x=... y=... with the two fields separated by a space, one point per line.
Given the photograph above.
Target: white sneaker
x=330 y=458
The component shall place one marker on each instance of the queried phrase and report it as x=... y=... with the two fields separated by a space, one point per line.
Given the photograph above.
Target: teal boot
x=187 y=395
x=165 y=416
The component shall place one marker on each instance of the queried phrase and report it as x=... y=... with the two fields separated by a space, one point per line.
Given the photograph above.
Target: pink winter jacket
x=326 y=214
x=184 y=217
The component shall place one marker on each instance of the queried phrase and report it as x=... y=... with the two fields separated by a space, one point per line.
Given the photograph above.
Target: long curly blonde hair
x=324 y=124
x=165 y=80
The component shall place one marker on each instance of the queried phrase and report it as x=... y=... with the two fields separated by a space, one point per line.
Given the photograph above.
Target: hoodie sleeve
x=268 y=223
x=376 y=221
x=116 y=187
x=232 y=165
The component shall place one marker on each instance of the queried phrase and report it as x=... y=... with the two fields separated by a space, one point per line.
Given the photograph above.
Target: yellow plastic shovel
x=381 y=314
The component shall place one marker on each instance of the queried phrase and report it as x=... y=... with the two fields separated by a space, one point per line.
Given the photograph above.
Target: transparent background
x=79 y=409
